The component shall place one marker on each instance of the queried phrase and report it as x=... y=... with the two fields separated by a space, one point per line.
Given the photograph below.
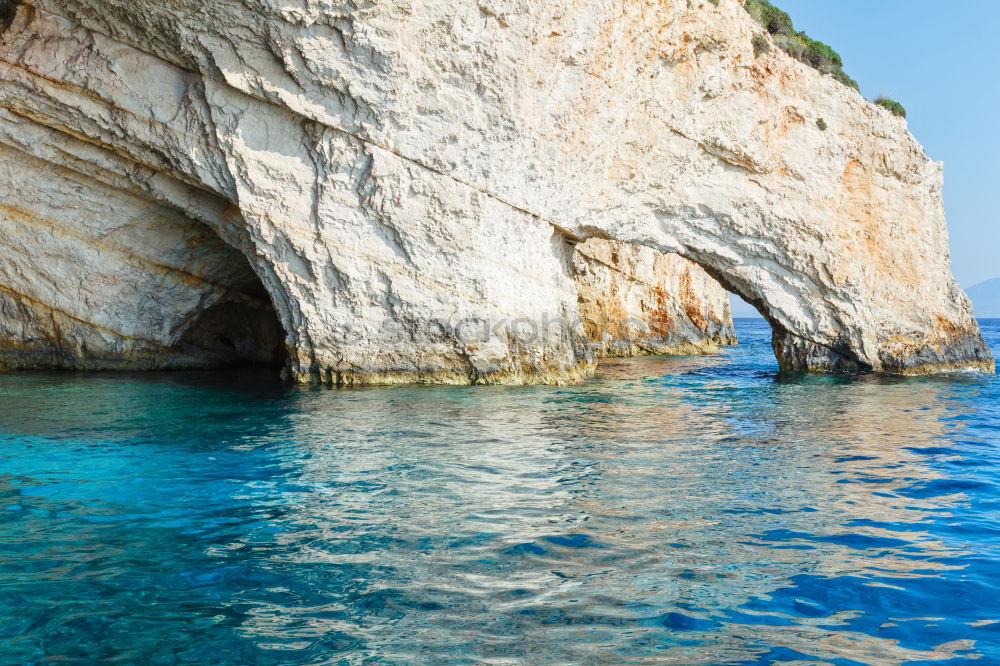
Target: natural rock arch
x=396 y=175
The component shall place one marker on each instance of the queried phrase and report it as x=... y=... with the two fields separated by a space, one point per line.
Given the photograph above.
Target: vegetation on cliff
x=761 y=44
x=895 y=107
x=799 y=45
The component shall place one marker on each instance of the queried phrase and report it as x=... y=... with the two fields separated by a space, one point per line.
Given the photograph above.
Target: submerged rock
x=407 y=183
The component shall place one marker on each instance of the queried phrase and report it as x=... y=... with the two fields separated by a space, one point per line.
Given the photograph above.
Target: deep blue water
x=690 y=510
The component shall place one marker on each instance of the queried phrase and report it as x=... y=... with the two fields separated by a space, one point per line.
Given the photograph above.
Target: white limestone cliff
x=407 y=179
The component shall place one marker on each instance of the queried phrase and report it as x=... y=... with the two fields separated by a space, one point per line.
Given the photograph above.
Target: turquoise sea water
x=691 y=510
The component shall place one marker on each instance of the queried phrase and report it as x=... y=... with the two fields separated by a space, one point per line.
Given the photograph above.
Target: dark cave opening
x=8 y=11
x=241 y=330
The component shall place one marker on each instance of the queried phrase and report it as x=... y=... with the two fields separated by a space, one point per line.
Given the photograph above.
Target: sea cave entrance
x=235 y=325
x=241 y=331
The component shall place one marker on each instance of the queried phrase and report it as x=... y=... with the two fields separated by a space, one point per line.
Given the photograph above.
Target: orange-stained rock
x=637 y=301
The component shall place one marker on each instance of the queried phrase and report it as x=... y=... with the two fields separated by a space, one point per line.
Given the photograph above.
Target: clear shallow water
x=693 y=511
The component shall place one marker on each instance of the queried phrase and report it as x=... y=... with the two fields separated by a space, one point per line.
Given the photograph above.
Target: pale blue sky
x=941 y=60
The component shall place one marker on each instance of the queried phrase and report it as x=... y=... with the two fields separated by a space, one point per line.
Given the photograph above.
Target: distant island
x=985 y=299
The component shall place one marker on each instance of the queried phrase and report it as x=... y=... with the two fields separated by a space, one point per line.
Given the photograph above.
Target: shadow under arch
x=243 y=330
x=238 y=324
x=792 y=352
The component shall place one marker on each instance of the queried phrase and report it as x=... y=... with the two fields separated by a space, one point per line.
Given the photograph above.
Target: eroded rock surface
x=97 y=276
x=404 y=178
x=636 y=301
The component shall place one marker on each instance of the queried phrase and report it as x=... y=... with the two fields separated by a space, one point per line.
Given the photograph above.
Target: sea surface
x=685 y=510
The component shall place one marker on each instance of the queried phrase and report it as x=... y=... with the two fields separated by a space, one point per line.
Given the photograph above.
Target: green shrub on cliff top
x=892 y=105
x=799 y=45
x=776 y=21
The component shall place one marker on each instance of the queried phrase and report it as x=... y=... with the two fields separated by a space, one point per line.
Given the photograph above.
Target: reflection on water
x=694 y=511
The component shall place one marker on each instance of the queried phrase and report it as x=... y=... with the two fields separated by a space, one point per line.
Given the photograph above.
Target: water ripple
x=683 y=510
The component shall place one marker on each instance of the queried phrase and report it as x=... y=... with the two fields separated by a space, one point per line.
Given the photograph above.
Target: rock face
x=406 y=179
x=635 y=301
x=99 y=276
